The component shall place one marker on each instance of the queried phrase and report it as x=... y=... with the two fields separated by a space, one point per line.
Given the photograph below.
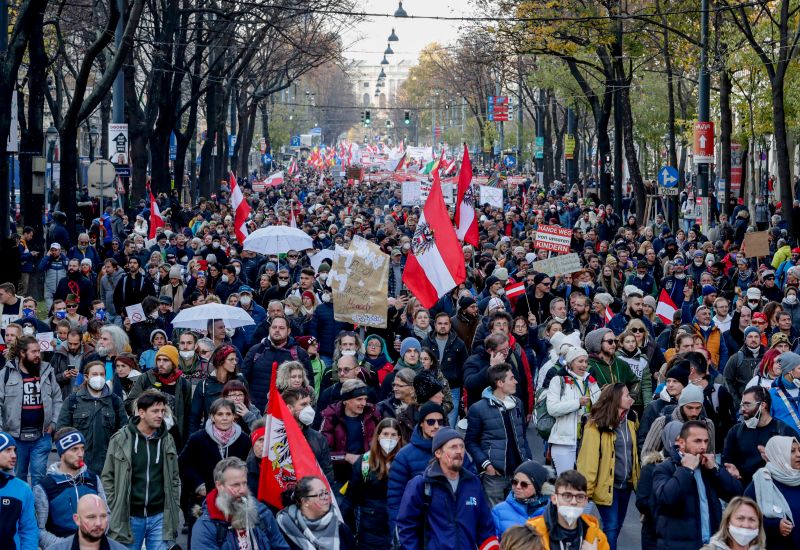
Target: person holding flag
x=241 y=210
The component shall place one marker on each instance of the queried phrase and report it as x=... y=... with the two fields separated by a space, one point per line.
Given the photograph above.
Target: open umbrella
x=197 y=317
x=277 y=239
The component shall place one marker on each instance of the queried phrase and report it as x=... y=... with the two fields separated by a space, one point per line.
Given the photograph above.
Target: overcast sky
x=367 y=40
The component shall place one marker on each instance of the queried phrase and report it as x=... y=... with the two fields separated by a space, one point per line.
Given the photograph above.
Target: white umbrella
x=197 y=317
x=277 y=239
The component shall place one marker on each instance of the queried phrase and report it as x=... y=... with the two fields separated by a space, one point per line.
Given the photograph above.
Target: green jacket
x=181 y=405
x=618 y=371
x=116 y=479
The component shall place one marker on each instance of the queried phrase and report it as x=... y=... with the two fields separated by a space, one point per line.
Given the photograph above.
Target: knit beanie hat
x=429 y=408
x=536 y=472
x=788 y=360
x=6 y=441
x=573 y=354
x=594 y=339
x=604 y=298
x=680 y=372
x=158 y=331
x=409 y=343
x=443 y=436
x=690 y=394
x=465 y=301
x=426 y=386
x=750 y=330
x=170 y=352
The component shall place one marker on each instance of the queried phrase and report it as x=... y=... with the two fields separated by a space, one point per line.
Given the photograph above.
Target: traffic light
x=388 y=123
x=362 y=118
x=367 y=119
x=407 y=118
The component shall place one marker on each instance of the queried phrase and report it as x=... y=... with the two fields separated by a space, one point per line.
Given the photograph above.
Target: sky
x=367 y=40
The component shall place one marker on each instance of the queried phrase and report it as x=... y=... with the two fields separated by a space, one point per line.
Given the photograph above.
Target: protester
x=18 y=525
x=91 y=522
x=531 y=488
x=741 y=527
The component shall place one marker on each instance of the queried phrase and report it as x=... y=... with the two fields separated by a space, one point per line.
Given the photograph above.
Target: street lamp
x=389 y=50
x=400 y=12
x=94 y=136
x=385 y=61
x=382 y=74
x=393 y=37
x=51 y=136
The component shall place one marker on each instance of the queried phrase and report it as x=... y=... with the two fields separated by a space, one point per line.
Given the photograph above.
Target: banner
x=419 y=153
x=411 y=194
x=558 y=265
x=493 y=196
x=359 y=280
x=553 y=237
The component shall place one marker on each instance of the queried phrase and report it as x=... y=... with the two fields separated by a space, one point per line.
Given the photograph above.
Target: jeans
x=33 y=454
x=496 y=488
x=614 y=515
x=452 y=418
x=150 y=531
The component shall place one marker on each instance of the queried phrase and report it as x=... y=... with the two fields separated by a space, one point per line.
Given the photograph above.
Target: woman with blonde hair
x=741 y=528
x=521 y=537
x=628 y=352
x=292 y=376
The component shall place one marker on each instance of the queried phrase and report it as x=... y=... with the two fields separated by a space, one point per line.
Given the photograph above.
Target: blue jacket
x=17 y=514
x=511 y=512
x=779 y=409
x=620 y=321
x=257 y=367
x=487 y=440
x=243 y=338
x=450 y=521
x=75 y=253
x=325 y=328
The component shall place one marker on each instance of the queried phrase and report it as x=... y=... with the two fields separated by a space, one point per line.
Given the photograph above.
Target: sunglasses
x=637 y=330
x=520 y=483
x=434 y=421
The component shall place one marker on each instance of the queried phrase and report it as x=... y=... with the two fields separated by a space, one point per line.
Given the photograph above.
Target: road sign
x=295 y=141
x=231 y=144
x=668 y=191
x=498 y=108
x=102 y=176
x=538 y=148
x=703 y=142
x=569 y=147
x=263 y=145
x=316 y=131
x=118 y=143
x=173 y=146
x=266 y=158
x=510 y=161
x=667 y=177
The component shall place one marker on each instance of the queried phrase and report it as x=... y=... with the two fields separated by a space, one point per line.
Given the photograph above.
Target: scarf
x=309 y=534
x=223 y=438
x=772 y=502
x=170 y=378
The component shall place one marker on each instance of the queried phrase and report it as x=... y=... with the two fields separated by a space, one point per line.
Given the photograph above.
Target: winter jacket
x=563 y=404
x=741 y=446
x=546 y=525
x=116 y=479
x=56 y=499
x=107 y=287
x=653 y=440
x=678 y=502
x=476 y=378
x=455 y=353
x=97 y=418
x=714 y=342
x=785 y=407
x=776 y=541
x=459 y=520
x=597 y=460
x=258 y=364
x=62 y=361
x=17 y=515
x=202 y=452
x=213 y=531
x=325 y=328
x=11 y=397
x=645 y=498
x=243 y=338
x=70 y=544
x=651 y=412
x=54 y=270
x=180 y=403
x=335 y=430
x=130 y=291
x=611 y=373
x=512 y=512
x=465 y=329
x=205 y=393
x=487 y=439
x=739 y=370
x=367 y=494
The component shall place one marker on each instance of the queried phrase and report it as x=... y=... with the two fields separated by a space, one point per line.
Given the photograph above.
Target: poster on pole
x=558 y=265
x=12 y=145
x=410 y=193
x=118 y=143
x=554 y=238
x=756 y=244
x=360 y=282
x=493 y=196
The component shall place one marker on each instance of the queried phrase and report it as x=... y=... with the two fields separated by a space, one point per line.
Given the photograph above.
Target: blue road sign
x=173 y=147
x=667 y=177
x=295 y=141
x=266 y=158
x=510 y=161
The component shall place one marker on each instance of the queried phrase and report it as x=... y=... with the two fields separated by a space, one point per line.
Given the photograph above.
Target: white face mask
x=97 y=382
x=326 y=297
x=559 y=319
x=348 y=352
x=238 y=270
x=501 y=291
x=27 y=330
x=752 y=422
x=215 y=245
x=224 y=278
x=387 y=444
x=570 y=513
x=187 y=354
x=288 y=310
x=154 y=315
x=307 y=415
x=245 y=300
x=282 y=283
x=790 y=299
x=742 y=536
x=323 y=277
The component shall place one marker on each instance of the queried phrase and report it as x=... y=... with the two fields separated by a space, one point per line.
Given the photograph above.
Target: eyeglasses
x=577 y=497
x=396 y=385
x=345 y=370
x=292 y=257
x=72 y=306
x=612 y=342
x=236 y=395
x=548 y=283
x=637 y=330
x=434 y=421
x=321 y=494
x=747 y=405
x=283 y=278
x=520 y=483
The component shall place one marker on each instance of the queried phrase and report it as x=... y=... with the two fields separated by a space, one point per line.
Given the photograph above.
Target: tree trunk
x=726 y=129
x=630 y=153
x=548 y=138
x=782 y=149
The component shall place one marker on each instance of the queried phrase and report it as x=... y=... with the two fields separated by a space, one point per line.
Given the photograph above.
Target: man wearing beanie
x=169 y=380
x=537 y=300
x=466 y=321
x=785 y=391
x=430 y=518
x=741 y=366
x=56 y=497
x=17 y=515
x=604 y=364
x=690 y=407
x=677 y=379
x=495 y=288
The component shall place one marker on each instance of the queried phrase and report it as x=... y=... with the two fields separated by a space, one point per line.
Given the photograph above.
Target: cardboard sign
x=493 y=196
x=360 y=279
x=554 y=238
x=135 y=313
x=756 y=244
x=558 y=265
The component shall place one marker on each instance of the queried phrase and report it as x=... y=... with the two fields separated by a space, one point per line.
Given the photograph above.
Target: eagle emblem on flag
x=423 y=239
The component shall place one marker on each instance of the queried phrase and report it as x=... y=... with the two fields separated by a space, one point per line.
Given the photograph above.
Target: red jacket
x=335 y=431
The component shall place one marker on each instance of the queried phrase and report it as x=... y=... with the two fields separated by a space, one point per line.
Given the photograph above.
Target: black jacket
x=201 y=454
x=130 y=292
x=741 y=446
x=455 y=353
x=257 y=367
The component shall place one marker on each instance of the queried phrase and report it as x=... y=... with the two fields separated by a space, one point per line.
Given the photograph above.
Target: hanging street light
x=400 y=11
x=389 y=50
x=393 y=37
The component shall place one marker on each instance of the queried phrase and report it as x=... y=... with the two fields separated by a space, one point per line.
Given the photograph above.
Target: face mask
x=288 y=310
x=406 y=246
x=752 y=422
x=293 y=262
x=348 y=352
x=790 y=299
x=187 y=354
x=27 y=312
x=215 y=245
x=283 y=284
x=559 y=319
x=245 y=300
x=138 y=246
x=237 y=270
x=326 y=297
x=387 y=444
x=501 y=291
x=27 y=330
x=229 y=332
x=680 y=276
x=100 y=314
x=61 y=314
x=570 y=513
x=307 y=415
x=752 y=303
x=154 y=315
x=224 y=278
x=97 y=382
x=323 y=277
x=322 y=236
x=742 y=536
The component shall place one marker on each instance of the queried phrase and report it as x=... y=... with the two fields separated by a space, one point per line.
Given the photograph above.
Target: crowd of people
x=487 y=421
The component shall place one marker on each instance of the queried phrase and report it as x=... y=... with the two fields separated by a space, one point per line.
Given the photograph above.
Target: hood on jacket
x=54 y=470
x=489 y=395
x=159 y=434
x=384 y=349
x=237 y=431
x=653 y=457
x=550 y=515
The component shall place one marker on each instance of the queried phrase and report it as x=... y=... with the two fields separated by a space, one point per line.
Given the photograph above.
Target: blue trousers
x=33 y=455
x=614 y=515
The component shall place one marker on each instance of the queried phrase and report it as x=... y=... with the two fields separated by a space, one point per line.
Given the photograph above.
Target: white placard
x=449 y=192
x=558 y=265
x=118 y=144
x=493 y=196
x=411 y=193
x=135 y=313
x=45 y=340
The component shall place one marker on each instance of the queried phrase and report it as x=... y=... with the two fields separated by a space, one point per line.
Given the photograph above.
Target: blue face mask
x=28 y=312
x=100 y=314
x=61 y=314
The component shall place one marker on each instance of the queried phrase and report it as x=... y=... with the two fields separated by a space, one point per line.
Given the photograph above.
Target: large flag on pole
x=436 y=264
x=156 y=220
x=666 y=308
x=466 y=218
x=241 y=210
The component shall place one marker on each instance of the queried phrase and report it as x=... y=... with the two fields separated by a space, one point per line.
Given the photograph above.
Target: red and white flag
x=156 y=220
x=400 y=163
x=287 y=454
x=666 y=308
x=609 y=314
x=515 y=289
x=274 y=180
x=241 y=210
x=292 y=219
x=436 y=264
x=466 y=218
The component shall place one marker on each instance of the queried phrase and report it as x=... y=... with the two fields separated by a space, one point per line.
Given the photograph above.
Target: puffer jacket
x=11 y=397
x=597 y=460
x=116 y=480
x=487 y=440
x=563 y=404
x=645 y=498
x=335 y=430
x=97 y=418
x=739 y=369
x=512 y=512
x=546 y=522
x=205 y=393
x=54 y=270
x=258 y=363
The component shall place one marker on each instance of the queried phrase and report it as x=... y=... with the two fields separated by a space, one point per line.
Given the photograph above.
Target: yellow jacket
x=592 y=533
x=596 y=461
x=781 y=255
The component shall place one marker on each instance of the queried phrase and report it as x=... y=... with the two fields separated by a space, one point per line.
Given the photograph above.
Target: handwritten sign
x=411 y=194
x=360 y=279
x=756 y=244
x=493 y=196
x=553 y=237
x=135 y=313
x=568 y=263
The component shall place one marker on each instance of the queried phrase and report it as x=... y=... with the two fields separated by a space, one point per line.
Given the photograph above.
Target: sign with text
x=360 y=278
x=558 y=265
x=569 y=146
x=493 y=196
x=736 y=169
x=703 y=142
x=118 y=143
x=553 y=237
x=135 y=313
x=46 y=341
x=410 y=194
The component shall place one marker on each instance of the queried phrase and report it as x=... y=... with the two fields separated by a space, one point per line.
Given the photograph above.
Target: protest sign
x=493 y=196
x=568 y=263
x=424 y=190
x=45 y=340
x=135 y=313
x=449 y=192
x=411 y=193
x=756 y=244
x=359 y=281
x=553 y=237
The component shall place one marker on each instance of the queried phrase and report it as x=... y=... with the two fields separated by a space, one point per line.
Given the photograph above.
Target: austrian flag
x=436 y=264
x=515 y=289
x=666 y=308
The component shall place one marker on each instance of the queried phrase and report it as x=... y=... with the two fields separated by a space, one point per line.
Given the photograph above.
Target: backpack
x=544 y=420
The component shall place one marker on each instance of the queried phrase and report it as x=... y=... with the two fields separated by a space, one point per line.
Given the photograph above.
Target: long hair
x=638 y=323
x=379 y=462
x=724 y=533
x=218 y=359
x=285 y=372
x=605 y=413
